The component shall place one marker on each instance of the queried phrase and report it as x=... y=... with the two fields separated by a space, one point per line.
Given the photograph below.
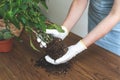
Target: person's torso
x=100 y=8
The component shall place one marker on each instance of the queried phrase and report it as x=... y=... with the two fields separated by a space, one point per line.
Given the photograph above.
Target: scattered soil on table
x=55 y=50
x=53 y=69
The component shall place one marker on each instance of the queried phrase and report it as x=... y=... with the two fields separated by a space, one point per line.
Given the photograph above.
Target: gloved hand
x=42 y=43
x=58 y=34
x=55 y=33
x=72 y=52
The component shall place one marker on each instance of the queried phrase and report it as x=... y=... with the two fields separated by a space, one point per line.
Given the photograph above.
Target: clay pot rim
x=6 y=40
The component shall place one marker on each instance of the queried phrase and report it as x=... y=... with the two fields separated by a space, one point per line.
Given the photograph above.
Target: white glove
x=42 y=43
x=58 y=34
x=55 y=33
x=72 y=52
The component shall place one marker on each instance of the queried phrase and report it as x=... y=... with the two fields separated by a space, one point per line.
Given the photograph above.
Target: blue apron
x=99 y=9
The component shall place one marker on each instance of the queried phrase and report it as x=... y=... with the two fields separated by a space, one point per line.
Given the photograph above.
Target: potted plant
x=5 y=40
x=27 y=13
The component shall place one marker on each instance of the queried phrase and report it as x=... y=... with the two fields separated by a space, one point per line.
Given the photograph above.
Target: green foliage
x=55 y=26
x=1 y=35
x=27 y=13
x=5 y=34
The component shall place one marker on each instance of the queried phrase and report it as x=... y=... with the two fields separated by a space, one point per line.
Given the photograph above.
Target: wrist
x=87 y=42
x=65 y=29
x=80 y=46
x=66 y=32
x=83 y=44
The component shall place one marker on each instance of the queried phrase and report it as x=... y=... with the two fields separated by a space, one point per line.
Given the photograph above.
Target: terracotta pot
x=6 y=45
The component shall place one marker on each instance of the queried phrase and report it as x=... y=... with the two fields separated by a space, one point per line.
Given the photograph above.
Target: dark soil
x=55 y=50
